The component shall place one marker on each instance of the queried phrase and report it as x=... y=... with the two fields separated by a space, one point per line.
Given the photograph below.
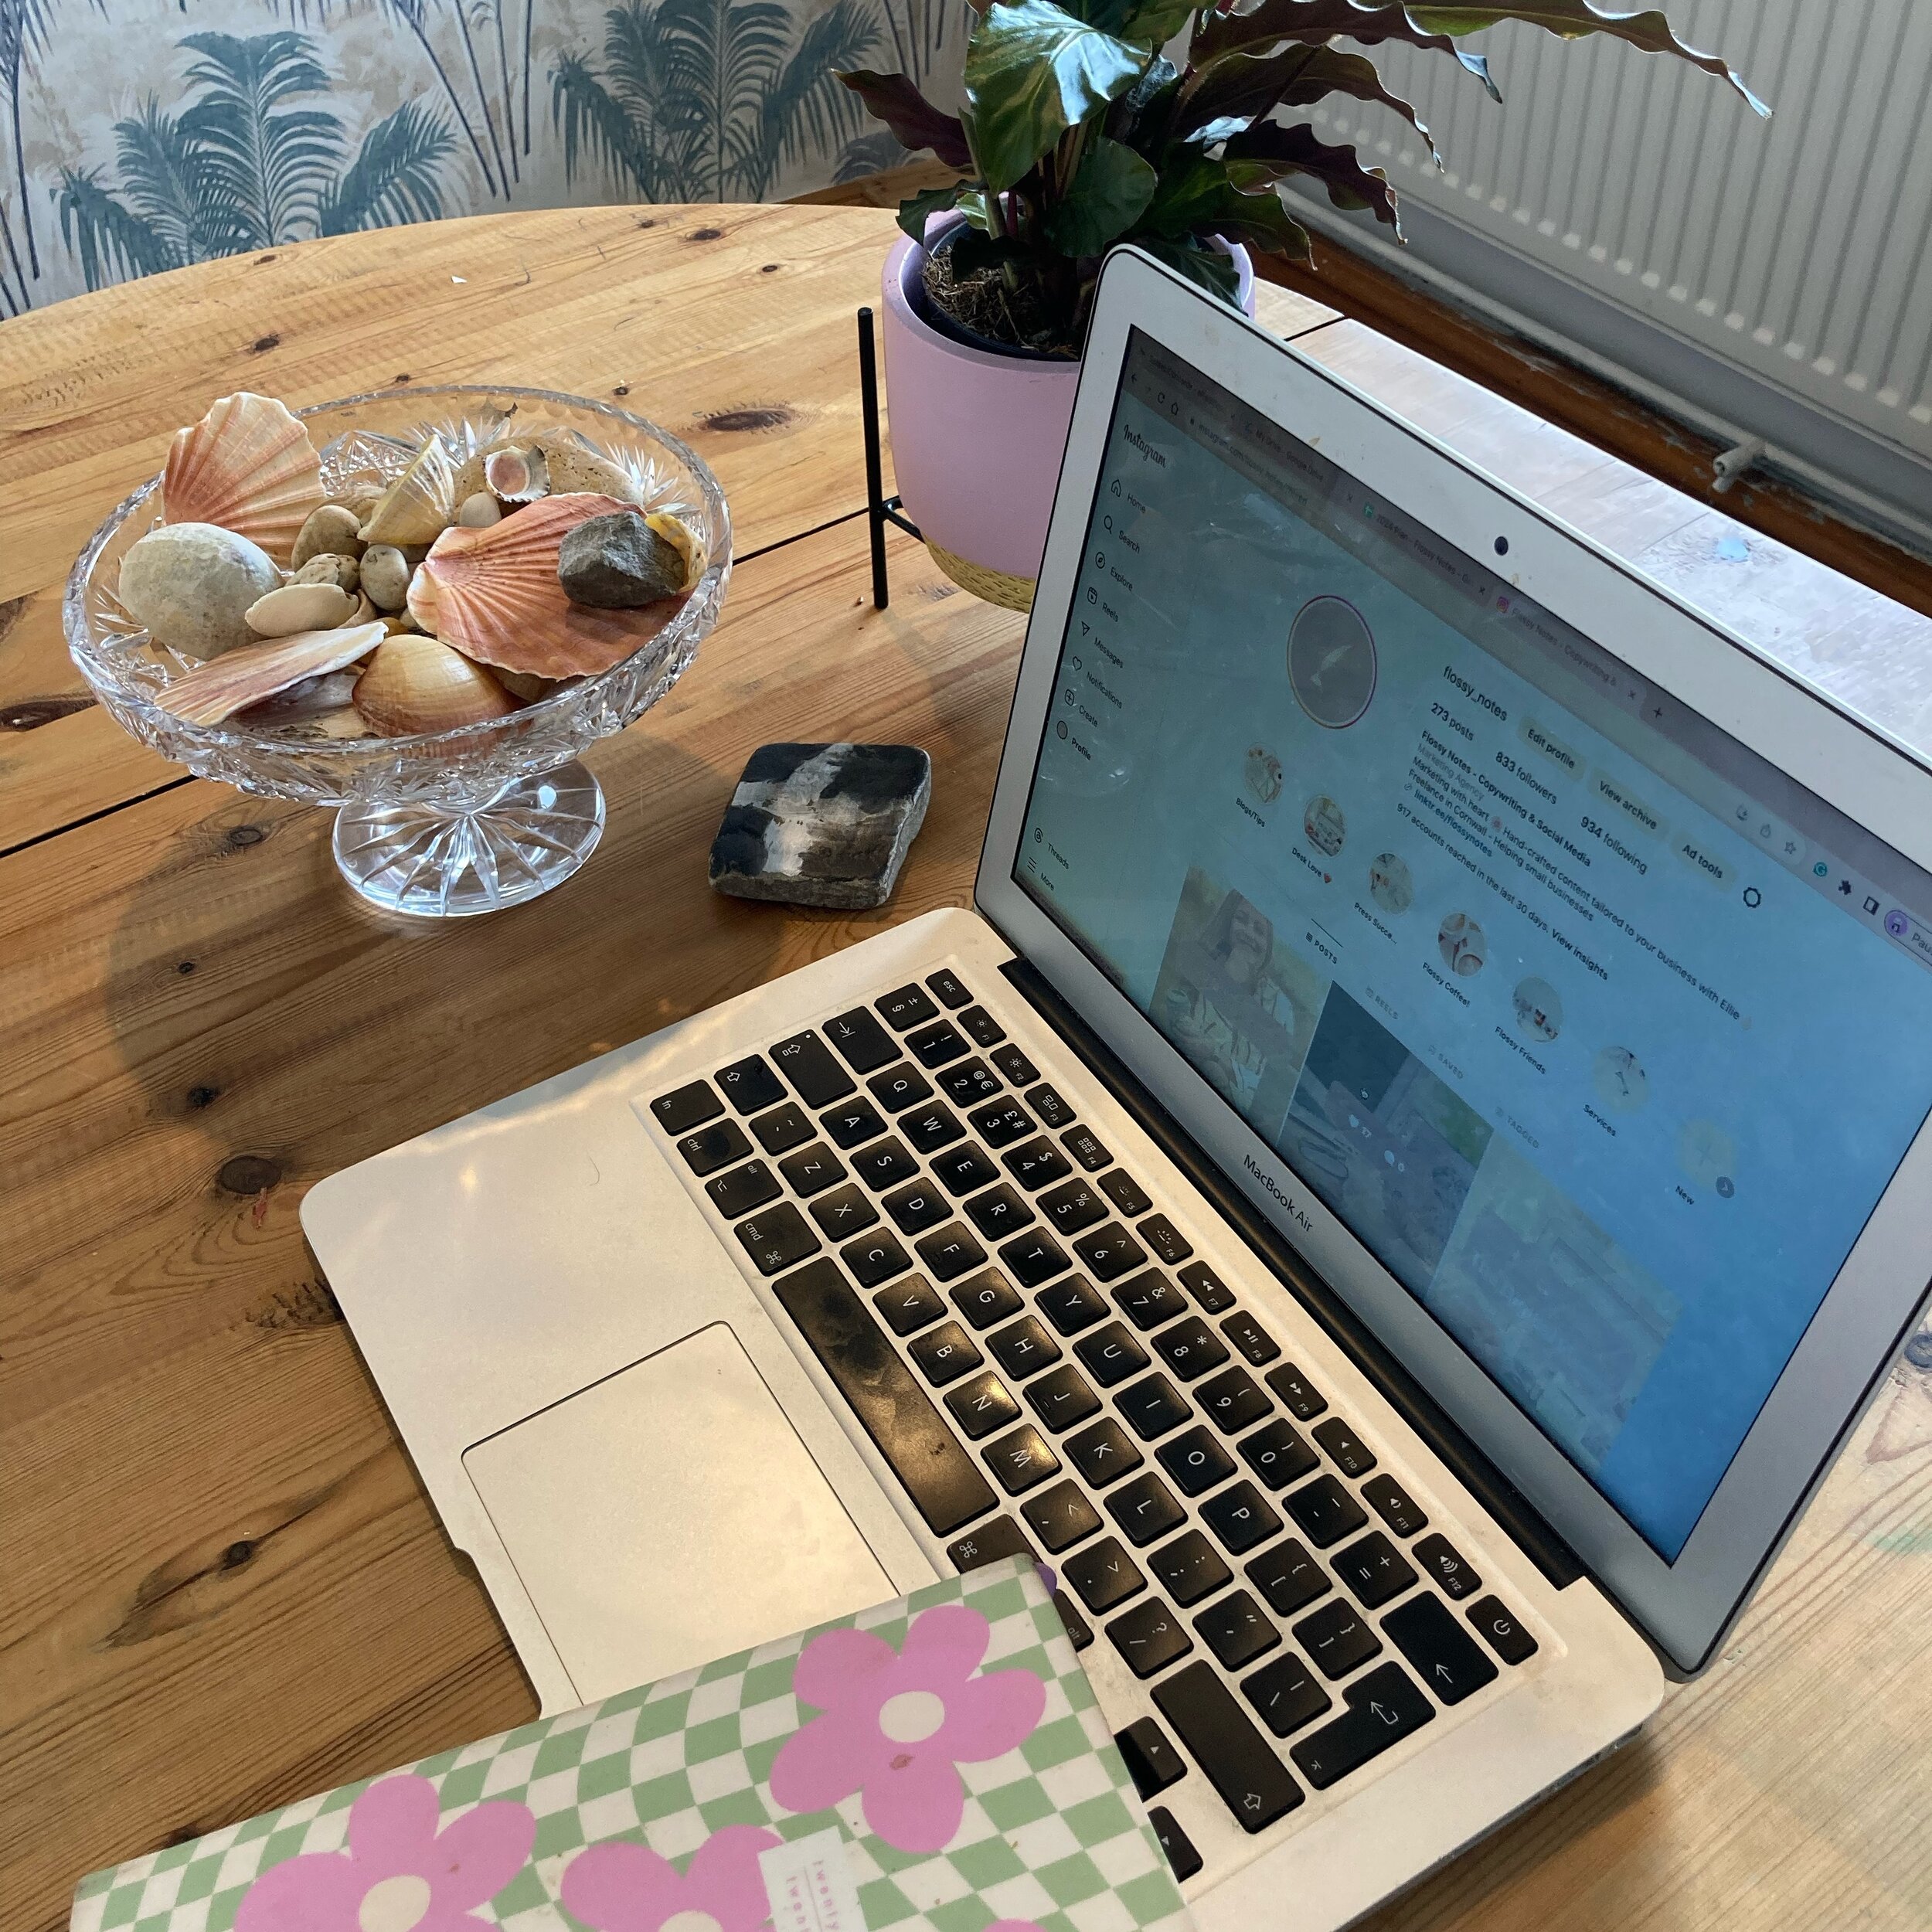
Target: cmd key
x=1240 y=1763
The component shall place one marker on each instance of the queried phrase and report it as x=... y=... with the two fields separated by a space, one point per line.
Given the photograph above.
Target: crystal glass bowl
x=450 y=822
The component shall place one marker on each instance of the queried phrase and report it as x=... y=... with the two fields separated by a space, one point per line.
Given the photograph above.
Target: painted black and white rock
x=822 y=825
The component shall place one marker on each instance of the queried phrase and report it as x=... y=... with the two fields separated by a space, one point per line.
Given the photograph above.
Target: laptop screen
x=1601 y=1034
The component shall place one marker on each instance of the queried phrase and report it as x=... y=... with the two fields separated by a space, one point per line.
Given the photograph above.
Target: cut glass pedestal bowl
x=446 y=823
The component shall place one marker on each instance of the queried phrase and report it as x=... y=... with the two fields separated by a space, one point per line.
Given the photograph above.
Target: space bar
x=911 y=1434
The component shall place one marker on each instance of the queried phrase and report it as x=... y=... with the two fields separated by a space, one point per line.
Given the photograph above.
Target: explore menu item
x=936 y=1764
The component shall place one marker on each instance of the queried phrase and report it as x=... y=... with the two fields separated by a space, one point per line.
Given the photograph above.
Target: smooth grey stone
x=617 y=562
x=822 y=825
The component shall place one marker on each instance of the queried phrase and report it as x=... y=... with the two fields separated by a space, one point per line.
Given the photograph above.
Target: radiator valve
x=1731 y=464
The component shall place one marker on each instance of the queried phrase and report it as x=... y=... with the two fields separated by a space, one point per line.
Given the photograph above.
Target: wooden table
x=220 y=1587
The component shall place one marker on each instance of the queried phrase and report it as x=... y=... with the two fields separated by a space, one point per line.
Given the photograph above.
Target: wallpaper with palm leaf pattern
x=138 y=135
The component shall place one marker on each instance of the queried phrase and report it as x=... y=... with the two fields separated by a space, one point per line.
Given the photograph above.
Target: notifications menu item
x=1603 y=1038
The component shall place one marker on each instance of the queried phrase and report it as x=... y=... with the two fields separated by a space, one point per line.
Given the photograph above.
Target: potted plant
x=1077 y=132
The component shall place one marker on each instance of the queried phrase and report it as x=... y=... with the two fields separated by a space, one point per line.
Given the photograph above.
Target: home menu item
x=936 y=1764
x=1602 y=1035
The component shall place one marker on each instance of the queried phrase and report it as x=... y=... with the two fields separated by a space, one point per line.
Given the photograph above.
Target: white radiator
x=1784 y=268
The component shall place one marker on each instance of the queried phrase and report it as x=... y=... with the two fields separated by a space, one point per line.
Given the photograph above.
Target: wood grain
x=223 y=1587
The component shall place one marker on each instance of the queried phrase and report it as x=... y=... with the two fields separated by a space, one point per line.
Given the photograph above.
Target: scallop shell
x=414 y=684
x=419 y=504
x=248 y=466
x=494 y=594
x=251 y=672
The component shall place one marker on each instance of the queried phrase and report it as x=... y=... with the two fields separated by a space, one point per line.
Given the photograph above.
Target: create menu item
x=935 y=1764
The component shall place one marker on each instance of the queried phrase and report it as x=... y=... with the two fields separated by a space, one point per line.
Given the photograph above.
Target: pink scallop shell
x=493 y=594
x=249 y=466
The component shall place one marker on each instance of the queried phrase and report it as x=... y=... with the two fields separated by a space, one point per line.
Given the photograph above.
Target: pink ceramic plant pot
x=977 y=438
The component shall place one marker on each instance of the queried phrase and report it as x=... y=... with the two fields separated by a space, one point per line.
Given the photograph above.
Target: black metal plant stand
x=880 y=508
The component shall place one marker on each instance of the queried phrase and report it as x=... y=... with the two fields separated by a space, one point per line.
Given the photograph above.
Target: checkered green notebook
x=937 y=1764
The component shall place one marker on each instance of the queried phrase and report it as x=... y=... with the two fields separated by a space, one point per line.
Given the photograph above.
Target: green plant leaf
x=1572 y=19
x=915 y=210
x=1207 y=267
x=1259 y=25
x=1241 y=85
x=1110 y=192
x=917 y=124
x=1139 y=118
x=1296 y=150
x=1237 y=201
x=1155 y=22
x=1032 y=71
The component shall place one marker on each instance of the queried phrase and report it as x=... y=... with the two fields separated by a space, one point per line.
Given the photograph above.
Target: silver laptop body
x=1397 y=1193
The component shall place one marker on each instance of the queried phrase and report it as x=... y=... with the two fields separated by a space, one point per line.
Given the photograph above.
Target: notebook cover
x=936 y=1765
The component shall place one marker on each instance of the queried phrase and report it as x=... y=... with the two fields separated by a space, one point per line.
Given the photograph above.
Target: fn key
x=1240 y=1762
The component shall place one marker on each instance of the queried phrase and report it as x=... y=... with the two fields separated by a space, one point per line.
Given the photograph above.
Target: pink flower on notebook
x=623 y=1887
x=400 y=1874
x=895 y=1725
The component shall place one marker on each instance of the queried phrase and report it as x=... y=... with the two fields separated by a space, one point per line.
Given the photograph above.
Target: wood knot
x=403 y=378
x=241 y=837
x=769 y=268
x=705 y=234
x=623 y=388
x=186 y=967
x=772 y=415
x=201 y=1096
x=248 y=1175
x=32 y=713
x=236 y=1554
x=262 y=344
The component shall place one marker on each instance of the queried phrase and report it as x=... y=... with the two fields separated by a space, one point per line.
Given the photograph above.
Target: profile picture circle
x=1332 y=662
x=1619 y=1078
x=1326 y=827
x=1539 y=1010
x=1390 y=884
x=1463 y=944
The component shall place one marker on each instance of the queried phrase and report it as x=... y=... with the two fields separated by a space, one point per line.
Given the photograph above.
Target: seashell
x=300 y=607
x=675 y=530
x=330 y=531
x=573 y=468
x=247 y=466
x=526 y=686
x=479 y=511
x=517 y=476
x=251 y=672
x=494 y=594
x=385 y=578
x=190 y=586
x=420 y=502
x=312 y=700
x=365 y=612
x=414 y=684
x=330 y=566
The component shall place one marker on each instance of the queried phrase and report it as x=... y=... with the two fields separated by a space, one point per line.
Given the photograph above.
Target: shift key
x=944 y=1482
x=1241 y=1763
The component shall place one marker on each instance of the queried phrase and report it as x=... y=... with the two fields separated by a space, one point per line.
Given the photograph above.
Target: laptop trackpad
x=670 y=1514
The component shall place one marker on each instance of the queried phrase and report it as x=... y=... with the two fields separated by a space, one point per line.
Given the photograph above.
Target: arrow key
x=1443 y=1654
x=1383 y=1708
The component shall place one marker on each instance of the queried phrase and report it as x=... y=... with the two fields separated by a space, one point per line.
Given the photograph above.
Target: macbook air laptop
x=1396 y=1193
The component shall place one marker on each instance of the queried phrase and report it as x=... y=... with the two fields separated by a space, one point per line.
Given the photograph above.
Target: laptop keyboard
x=1050 y=1370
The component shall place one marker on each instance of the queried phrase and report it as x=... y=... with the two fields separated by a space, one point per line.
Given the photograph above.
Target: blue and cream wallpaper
x=141 y=135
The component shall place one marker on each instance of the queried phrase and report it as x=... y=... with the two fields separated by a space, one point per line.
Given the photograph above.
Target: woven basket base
x=990 y=586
